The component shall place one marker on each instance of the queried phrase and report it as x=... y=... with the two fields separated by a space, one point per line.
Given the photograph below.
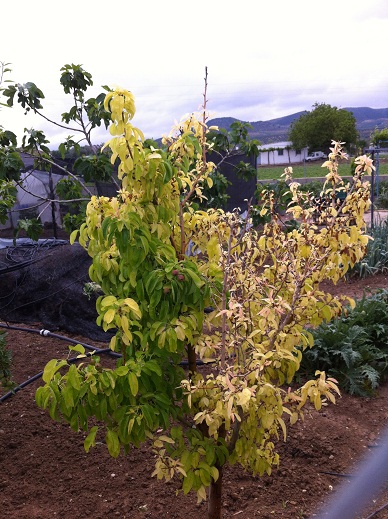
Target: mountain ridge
x=275 y=130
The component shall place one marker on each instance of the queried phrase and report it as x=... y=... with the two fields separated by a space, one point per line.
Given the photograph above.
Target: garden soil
x=45 y=472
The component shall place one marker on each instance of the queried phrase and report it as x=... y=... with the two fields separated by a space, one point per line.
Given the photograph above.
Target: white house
x=280 y=153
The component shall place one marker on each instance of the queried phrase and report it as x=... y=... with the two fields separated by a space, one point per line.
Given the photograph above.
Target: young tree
x=316 y=129
x=10 y=161
x=211 y=314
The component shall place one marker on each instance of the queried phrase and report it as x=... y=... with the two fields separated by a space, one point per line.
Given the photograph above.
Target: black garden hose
x=14 y=390
x=47 y=333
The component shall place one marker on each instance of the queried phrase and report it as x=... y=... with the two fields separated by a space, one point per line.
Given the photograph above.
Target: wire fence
x=370 y=478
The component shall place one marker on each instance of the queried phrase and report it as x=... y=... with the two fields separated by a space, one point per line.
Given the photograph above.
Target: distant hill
x=276 y=130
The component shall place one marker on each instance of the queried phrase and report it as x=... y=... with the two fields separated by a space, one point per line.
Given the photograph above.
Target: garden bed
x=46 y=473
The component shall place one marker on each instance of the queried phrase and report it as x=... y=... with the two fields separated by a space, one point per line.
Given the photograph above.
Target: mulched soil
x=45 y=472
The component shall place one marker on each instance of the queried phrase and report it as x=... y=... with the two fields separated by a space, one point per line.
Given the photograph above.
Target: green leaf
x=103 y=409
x=112 y=442
x=121 y=371
x=196 y=279
x=210 y=455
x=90 y=440
x=154 y=282
x=188 y=481
x=133 y=383
x=68 y=396
x=51 y=368
x=205 y=477
x=42 y=396
x=154 y=366
x=79 y=348
x=33 y=228
x=73 y=377
x=149 y=415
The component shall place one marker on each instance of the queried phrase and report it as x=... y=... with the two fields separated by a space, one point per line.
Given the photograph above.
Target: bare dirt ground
x=45 y=472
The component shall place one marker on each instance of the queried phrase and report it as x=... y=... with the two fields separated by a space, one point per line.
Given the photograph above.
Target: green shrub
x=315 y=187
x=382 y=200
x=282 y=197
x=5 y=360
x=376 y=258
x=353 y=348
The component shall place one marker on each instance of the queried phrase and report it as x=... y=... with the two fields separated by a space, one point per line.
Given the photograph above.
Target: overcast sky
x=265 y=59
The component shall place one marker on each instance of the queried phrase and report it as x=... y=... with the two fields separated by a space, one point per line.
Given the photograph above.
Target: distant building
x=33 y=201
x=280 y=153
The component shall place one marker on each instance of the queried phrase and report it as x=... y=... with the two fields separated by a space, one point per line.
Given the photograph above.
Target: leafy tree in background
x=225 y=148
x=317 y=129
x=84 y=115
x=379 y=137
x=10 y=161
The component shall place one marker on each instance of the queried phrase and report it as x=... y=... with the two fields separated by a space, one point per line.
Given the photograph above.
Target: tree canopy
x=380 y=137
x=317 y=129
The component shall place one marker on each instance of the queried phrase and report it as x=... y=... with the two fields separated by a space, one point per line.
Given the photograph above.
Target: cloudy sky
x=265 y=59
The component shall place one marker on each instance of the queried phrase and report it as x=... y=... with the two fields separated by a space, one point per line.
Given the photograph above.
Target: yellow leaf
x=243 y=397
x=125 y=325
x=166 y=439
x=112 y=344
x=283 y=426
x=214 y=473
x=108 y=301
x=109 y=315
x=326 y=312
x=261 y=243
x=131 y=303
x=180 y=333
x=213 y=248
x=201 y=494
x=181 y=470
x=317 y=401
x=73 y=236
x=305 y=251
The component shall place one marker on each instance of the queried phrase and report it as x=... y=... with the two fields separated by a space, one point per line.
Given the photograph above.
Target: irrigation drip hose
x=47 y=333
x=31 y=248
x=14 y=390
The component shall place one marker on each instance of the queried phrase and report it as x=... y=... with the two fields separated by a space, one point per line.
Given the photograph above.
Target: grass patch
x=308 y=171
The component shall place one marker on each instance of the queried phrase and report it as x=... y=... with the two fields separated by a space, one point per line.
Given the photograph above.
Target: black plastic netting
x=43 y=282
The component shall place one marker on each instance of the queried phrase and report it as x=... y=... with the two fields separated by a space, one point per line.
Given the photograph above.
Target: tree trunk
x=192 y=359
x=215 y=494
